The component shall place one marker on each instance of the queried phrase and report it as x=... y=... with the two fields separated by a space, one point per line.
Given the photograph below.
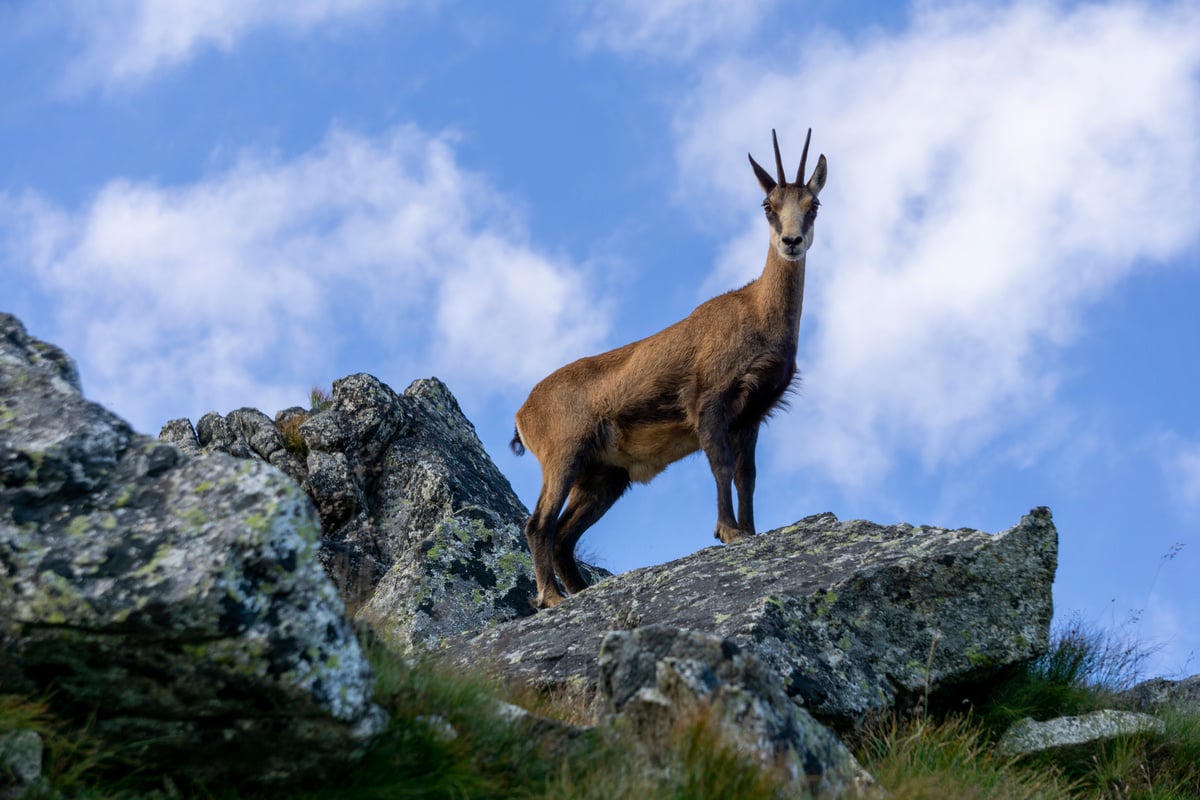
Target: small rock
x=1159 y=693
x=20 y=758
x=1030 y=736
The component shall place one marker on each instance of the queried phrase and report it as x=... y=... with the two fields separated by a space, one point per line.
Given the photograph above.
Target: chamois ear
x=764 y=178
x=817 y=181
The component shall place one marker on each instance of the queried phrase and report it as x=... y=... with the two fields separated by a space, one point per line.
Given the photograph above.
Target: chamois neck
x=781 y=288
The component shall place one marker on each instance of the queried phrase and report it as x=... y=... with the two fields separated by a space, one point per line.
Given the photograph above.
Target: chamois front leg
x=744 y=472
x=714 y=440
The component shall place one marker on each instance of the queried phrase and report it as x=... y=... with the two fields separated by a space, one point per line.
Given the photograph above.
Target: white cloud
x=991 y=173
x=675 y=29
x=250 y=285
x=1167 y=633
x=128 y=41
x=1180 y=461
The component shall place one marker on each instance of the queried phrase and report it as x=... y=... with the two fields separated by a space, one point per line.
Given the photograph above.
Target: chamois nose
x=791 y=241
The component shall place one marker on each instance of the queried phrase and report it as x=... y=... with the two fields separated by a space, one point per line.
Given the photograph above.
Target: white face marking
x=788 y=211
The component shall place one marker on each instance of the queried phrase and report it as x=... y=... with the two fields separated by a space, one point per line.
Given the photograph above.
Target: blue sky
x=221 y=203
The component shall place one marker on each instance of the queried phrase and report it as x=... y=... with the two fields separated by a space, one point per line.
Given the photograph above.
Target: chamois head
x=791 y=207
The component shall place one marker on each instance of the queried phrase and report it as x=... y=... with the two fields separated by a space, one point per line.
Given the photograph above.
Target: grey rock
x=421 y=532
x=180 y=433
x=20 y=759
x=177 y=599
x=855 y=616
x=259 y=432
x=245 y=433
x=555 y=738
x=1160 y=693
x=656 y=676
x=470 y=572
x=1031 y=736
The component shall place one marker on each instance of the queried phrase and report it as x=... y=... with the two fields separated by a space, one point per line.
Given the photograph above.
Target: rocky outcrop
x=178 y=600
x=656 y=677
x=855 y=617
x=421 y=530
x=1030 y=736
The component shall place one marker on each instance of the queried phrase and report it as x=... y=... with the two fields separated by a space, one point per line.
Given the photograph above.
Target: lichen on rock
x=421 y=531
x=856 y=617
x=178 y=600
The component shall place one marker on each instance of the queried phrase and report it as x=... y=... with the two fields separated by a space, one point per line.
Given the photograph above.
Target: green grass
x=949 y=751
x=319 y=399
x=449 y=738
x=1083 y=671
x=920 y=757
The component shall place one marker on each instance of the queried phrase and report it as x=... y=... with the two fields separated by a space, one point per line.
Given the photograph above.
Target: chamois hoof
x=730 y=535
x=547 y=600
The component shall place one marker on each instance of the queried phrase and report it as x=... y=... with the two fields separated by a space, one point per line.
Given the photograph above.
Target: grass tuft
x=319 y=399
x=293 y=440
x=1082 y=671
x=918 y=757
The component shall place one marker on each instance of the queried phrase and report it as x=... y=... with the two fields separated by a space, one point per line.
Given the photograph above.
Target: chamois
x=704 y=383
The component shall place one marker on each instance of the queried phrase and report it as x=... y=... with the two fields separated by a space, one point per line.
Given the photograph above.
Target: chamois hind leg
x=540 y=533
x=591 y=496
x=715 y=441
x=744 y=471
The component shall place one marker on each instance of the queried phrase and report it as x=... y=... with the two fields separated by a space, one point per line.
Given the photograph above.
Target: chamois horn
x=778 y=159
x=803 y=158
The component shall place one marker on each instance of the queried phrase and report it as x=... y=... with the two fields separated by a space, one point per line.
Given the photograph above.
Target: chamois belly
x=646 y=450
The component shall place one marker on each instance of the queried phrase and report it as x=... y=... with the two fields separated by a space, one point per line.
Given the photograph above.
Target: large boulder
x=422 y=532
x=657 y=677
x=856 y=617
x=178 y=600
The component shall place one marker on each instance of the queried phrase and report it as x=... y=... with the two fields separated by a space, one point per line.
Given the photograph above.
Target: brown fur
x=704 y=383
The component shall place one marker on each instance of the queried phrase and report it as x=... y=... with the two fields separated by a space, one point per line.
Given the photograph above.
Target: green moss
x=259 y=523
x=58 y=600
x=79 y=526
x=513 y=563
x=194 y=518
x=721 y=619
x=826 y=603
x=205 y=486
x=36 y=459
x=152 y=564
x=976 y=658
